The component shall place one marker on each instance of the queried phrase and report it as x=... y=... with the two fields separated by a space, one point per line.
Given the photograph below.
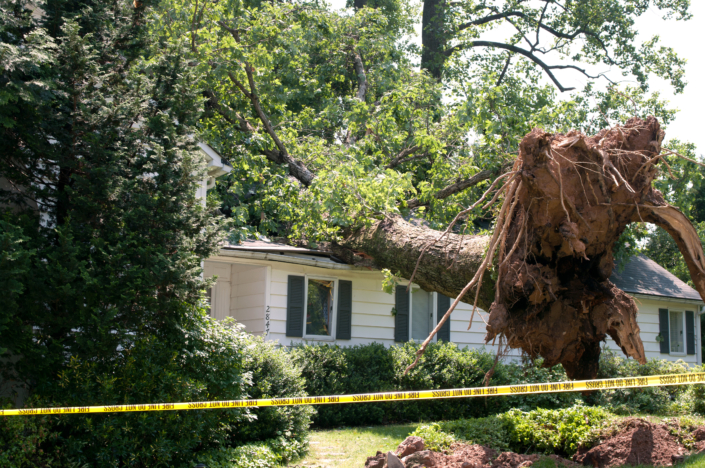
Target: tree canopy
x=332 y=119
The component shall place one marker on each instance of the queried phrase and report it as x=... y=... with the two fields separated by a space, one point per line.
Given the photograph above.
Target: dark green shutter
x=689 y=332
x=442 y=306
x=663 y=331
x=401 y=319
x=343 y=329
x=295 y=306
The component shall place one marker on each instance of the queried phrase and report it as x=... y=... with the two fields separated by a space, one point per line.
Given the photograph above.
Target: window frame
x=685 y=336
x=334 y=318
x=434 y=320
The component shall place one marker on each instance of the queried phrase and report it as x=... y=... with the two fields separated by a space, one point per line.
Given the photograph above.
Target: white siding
x=220 y=293
x=648 y=321
x=258 y=285
x=249 y=296
x=240 y=292
x=372 y=318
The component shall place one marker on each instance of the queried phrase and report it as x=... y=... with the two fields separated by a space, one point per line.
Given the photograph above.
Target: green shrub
x=273 y=375
x=267 y=454
x=206 y=365
x=670 y=400
x=491 y=432
x=28 y=442
x=213 y=361
x=553 y=431
x=550 y=431
x=333 y=370
x=434 y=437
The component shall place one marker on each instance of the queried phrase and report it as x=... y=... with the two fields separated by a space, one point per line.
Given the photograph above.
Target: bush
x=551 y=431
x=28 y=442
x=670 y=400
x=434 y=437
x=267 y=454
x=333 y=370
x=206 y=365
x=213 y=361
x=490 y=431
x=273 y=375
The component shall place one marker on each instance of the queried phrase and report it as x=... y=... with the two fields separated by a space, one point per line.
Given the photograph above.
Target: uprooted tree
x=568 y=198
x=338 y=140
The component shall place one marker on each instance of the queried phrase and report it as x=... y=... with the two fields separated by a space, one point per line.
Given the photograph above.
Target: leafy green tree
x=101 y=229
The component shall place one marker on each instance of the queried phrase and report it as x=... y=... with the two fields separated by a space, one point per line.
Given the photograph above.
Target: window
x=320 y=309
x=421 y=314
x=677 y=332
x=416 y=313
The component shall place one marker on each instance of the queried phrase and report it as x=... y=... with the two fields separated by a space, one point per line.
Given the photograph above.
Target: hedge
x=214 y=361
x=331 y=370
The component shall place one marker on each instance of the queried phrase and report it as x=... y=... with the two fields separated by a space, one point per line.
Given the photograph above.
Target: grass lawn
x=349 y=447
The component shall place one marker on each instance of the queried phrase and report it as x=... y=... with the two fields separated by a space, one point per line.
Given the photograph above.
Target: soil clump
x=636 y=442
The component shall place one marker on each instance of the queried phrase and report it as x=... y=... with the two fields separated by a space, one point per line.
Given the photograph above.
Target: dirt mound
x=457 y=456
x=638 y=443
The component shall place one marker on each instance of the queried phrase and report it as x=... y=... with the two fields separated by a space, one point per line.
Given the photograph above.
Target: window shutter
x=295 y=306
x=663 y=330
x=343 y=328
x=401 y=319
x=689 y=332
x=442 y=306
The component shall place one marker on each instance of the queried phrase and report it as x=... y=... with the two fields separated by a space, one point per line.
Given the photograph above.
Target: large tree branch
x=361 y=77
x=399 y=158
x=454 y=188
x=296 y=168
x=526 y=53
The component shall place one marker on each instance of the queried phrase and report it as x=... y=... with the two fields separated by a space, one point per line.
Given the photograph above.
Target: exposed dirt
x=461 y=456
x=573 y=197
x=638 y=443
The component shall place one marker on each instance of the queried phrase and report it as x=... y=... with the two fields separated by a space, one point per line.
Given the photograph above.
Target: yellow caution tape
x=526 y=389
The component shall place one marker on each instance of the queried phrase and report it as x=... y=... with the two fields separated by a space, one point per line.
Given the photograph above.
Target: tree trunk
x=433 y=40
x=569 y=200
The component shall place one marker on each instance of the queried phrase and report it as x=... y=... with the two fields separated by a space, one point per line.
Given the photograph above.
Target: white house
x=291 y=294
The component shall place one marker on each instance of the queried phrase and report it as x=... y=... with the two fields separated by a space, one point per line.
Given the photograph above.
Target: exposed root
x=553 y=297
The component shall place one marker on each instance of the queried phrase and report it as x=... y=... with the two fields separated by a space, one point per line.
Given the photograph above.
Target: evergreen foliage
x=101 y=225
x=102 y=239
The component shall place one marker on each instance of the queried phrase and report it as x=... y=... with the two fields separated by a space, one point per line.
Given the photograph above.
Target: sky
x=687 y=38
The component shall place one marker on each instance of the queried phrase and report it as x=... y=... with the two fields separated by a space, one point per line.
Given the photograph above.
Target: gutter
x=667 y=299
x=271 y=257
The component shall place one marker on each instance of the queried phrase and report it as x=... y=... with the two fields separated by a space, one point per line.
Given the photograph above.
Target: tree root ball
x=574 y=198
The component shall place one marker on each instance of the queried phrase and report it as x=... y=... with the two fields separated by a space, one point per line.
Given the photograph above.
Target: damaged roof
x=641 y=275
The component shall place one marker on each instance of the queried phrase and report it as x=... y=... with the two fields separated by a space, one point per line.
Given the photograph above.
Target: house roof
x=284 y=253
x=641 y=275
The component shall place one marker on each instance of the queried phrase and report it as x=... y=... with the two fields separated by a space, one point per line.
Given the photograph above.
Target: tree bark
x=433 y=39
x=571 y=198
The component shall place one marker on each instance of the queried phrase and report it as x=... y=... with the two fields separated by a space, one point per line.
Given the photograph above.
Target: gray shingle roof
x=641 y=275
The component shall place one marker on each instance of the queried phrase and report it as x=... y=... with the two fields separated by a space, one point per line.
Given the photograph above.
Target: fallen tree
x=566 y=202
x=340 y=143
